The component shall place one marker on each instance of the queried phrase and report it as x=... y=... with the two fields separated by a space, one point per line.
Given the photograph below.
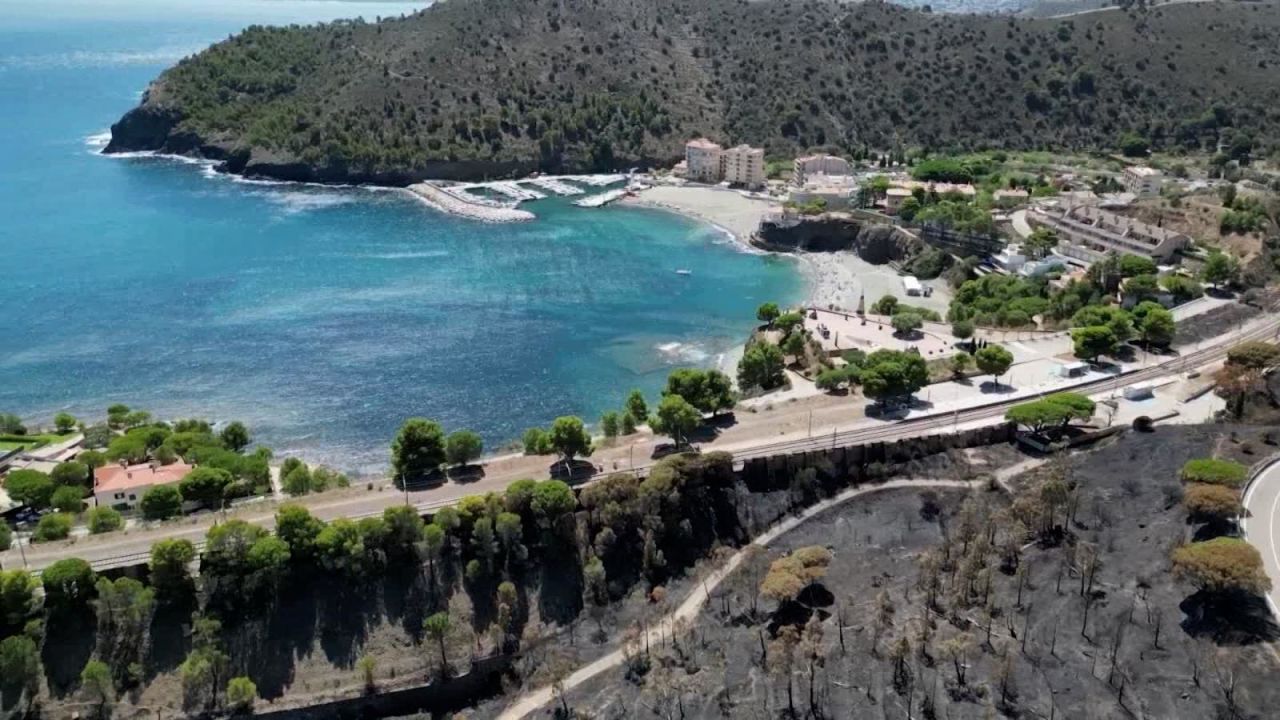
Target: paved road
x=1262 y=525
x=121 y=549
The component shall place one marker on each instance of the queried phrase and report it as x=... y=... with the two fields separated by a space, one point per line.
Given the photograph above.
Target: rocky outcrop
x=874 y=242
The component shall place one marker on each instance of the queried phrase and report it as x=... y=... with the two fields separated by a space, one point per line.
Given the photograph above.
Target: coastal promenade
x=816 y=423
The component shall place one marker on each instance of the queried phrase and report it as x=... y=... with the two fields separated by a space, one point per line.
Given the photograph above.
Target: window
x=119 y=496
x=132 y=497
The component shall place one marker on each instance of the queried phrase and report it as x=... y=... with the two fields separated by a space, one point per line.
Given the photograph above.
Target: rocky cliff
x=874 y=242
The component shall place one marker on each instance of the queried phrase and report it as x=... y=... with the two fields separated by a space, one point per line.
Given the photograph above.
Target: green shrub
x=54 y=526
x=1213 y=471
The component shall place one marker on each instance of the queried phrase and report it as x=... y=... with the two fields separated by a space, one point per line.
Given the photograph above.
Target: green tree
x=235 y=436
x=1057 y=409
x=569 y=438
x=761 y=367
x=96 y=437
x=1219 y=268
x=29 y=487
x=1254 y=355
x=298 y=528
x=675 y=418
x=297 y=481
x=103 y=519
x=1093 y=341
x=993 y=360
x=609 y=424
x=1133 y=145
x=11 y=424
x=97 y=685
x=1131 y=266
x=418 y=450
x=1041 y=242
x=241 y=694
x=906 y=323
x=536 y=442
x=19 y=666
x=68 y=499
x=636 y=406
x=6 y=536
x=91 y=459
x=552 y=501
x=161 y=502
x=1156 y=325
x=169 y=564
x=889 y=375
x=962 y=329
x=205 y=485
x=960 y=363
x=53 y=526
x=64 y=423
x=886 y=305
x=69 y=584
x=627 y=425
x=794 y=345
x=437 y=628
x=767 y=313
x=1142 y=287
x=462 y=447
x=1222 y=566
x=17 y=598
x=404 y=530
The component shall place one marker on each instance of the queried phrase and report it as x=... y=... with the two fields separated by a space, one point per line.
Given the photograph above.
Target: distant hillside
x=469 y=88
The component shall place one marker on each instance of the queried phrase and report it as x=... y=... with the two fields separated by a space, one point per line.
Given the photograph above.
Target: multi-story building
x=1142 y=181
x=702 y=160
x=806 y=167
x=743 y=165
x=1089 y=234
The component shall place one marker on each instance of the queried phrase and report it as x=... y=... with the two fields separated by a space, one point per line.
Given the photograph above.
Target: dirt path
x=692 y=605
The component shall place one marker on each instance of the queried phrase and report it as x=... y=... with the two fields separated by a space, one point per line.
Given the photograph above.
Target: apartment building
x=743 y=165
x=805 y=168
x=1142 y=181
x=702 y=160
x=1088 y=234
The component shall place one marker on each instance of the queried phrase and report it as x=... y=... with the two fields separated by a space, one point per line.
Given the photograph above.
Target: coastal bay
x=322 y=317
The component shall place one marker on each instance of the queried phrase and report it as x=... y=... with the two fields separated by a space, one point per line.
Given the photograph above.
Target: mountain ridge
x=467 y=89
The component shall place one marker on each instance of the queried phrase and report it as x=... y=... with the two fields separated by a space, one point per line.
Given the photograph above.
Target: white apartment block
x=1089 y=234
x=1142 y=181
x=806 y=167
x=743 y=165
x=702 y=160
x=706 y=161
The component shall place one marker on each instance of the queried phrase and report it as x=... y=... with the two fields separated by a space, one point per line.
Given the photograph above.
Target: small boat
x=684 y=272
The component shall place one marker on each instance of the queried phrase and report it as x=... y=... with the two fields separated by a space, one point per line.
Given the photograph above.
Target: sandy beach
x=833 y=278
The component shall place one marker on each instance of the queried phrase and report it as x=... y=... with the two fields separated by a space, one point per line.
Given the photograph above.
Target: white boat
x=684 y=272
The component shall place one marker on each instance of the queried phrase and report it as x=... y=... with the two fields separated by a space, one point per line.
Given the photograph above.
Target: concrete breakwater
x=441 y=198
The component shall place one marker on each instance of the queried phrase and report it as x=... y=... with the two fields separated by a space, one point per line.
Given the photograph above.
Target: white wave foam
x=98 y=140
x=681 y=353
x=86 y=59
x=293 y=203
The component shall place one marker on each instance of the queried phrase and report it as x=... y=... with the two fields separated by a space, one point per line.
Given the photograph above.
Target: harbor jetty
x=449 y=199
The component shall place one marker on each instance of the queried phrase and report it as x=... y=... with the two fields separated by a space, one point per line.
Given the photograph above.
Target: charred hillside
x=469 y=88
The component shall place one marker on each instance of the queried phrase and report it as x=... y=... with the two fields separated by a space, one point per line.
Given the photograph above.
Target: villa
x=122 y=486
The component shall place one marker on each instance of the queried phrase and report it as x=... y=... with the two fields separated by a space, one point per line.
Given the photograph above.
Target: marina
x=499 y=200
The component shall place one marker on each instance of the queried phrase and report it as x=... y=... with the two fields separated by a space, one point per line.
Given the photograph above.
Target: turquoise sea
x=320 y=316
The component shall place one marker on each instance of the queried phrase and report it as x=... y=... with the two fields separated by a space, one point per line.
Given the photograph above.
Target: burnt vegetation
x=473 y=87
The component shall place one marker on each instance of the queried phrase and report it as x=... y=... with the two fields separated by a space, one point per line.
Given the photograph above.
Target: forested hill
x=468 y=88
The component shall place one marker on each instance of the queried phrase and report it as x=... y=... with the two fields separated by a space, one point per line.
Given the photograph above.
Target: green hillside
x=469 y=88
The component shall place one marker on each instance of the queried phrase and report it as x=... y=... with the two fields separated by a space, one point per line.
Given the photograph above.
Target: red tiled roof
x=114 y=477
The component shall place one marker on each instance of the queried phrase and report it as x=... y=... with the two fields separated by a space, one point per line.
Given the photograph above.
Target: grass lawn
x=30 y=442
x=6 y=446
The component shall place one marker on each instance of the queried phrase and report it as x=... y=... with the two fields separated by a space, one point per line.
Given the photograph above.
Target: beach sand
x=719 y=206
x=833 y=278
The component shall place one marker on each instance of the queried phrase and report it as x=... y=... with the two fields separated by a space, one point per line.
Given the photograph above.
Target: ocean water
x=322 y=317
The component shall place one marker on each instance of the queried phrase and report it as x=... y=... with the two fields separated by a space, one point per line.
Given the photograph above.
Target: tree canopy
x=1058 y=409
x=676 y=418
x=418 y=450
x=1214 y=471
x=1222 y=565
